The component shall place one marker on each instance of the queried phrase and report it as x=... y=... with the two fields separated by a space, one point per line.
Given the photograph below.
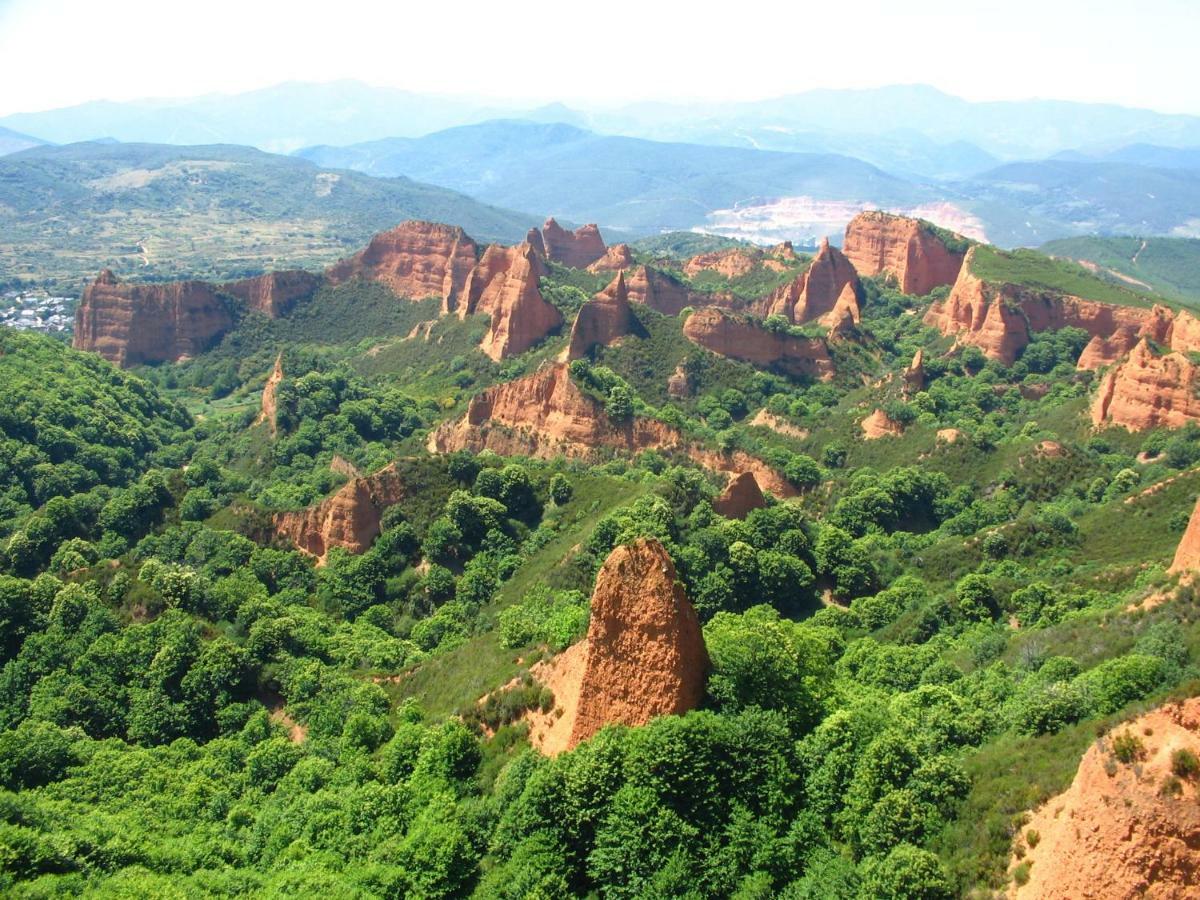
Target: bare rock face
x=907 y=249
x=1114 y=833
x=846 y=313
x=679 y=383
x=130 y=324
x=577 y=249
x=1187 y=554
x=879 y=424
x=741 y=495
x=504 y=285
x=546 y=414
x=274 y=293
x=659 y=291
x=616 y=258
x=645 y=651
x=350 y=518
x=999 y=318
x=415 y=260
x=732 y=263
x=602 y=320
x=270 y=390
x=914 y=375
x=741 y=338
x=815 y=292
x=1148 y=391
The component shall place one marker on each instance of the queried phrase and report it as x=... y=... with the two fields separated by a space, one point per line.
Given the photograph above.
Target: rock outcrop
x=615 y=258
x=274 y=293
x=349 y=519
x=577 y=249
x=504 y=286
x=815 y=292
x=602 y=320
x=546 y=414
x=878 y=425
x=914 y=375
x=416 y=260
x=743 y=338
x=130 y=324
x=1187 y=554
x=269 y=413
x=999 y=318
x=679 y=383
x=908 y=249
x=1148 y=391
x=662 y=293
x=1122 y=830
x=740 y=496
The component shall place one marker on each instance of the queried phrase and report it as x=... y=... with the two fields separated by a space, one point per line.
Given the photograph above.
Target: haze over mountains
x=791 y=168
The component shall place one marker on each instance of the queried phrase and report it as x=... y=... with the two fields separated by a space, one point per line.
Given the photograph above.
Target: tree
x=561 y=490
x=906 y=873
x=619 y=405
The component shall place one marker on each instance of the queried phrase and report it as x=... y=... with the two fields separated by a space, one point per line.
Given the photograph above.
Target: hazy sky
x=1133 y=52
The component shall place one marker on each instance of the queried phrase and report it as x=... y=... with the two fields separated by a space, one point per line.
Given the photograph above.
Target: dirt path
x=1134 y=259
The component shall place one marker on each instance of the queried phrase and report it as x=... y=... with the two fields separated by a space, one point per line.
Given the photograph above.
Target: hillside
x=212 y=211
x=646 y=185
x=748 y=576
x=13 y=141
x=1063 y=198
x=1170 y=266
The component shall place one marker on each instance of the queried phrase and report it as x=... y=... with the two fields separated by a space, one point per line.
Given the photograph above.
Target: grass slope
x=1170 y=266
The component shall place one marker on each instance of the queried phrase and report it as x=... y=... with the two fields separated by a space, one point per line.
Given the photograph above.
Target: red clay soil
x=1115 y=833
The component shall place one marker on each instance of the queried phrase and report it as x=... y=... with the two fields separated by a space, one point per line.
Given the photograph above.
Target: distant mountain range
x=213 y=211
x=906 y=129
x=623 y=183
x=14 y=142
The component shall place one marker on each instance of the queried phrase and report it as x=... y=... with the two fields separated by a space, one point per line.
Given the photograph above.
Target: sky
x=1133 y=52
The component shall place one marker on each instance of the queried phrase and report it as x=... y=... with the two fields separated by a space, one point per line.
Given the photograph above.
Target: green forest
x=906 y=658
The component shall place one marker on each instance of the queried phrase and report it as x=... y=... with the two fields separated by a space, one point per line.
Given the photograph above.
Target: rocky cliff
x=270 y=390
x=999 y=318
x=1116 y=832
x=879 y=425
x=349 y=518
x=577 y=249
x=1148 y=391
x=602 y=320
x=504 y=286
x=616 y=258
x=907 y=249
x=130 y=324
x=743 y=338
x=1187 y=554
x=415 y=260
x=815 y=292
x=274 y=293
x=546 y=415
x=740 y=496
x=914 y=375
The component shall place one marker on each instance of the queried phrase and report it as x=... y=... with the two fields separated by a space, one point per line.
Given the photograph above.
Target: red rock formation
x=908 y=249
x=914 y=375
x=274 y=293
x=616 y=258
x=1187 y=554
x=1115 y=833
x=1148 y=391
x=815 y=292
x=1000 y=317
x=732 y=263
x=270 y=389
x=659 y=291
x=130 y=324
x=602 y=320
x=545 y=415
x=679 y=383
x=879 y=424
x=577 y=249
x=504 y=285
x=349 y=518
x=845 y=314
x=415 y=260
x=742 y=338
x=741 y=495
x=646 y=655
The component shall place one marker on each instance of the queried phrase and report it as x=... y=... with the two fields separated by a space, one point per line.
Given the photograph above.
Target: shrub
x=1185 y=763
x=1128 y=748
